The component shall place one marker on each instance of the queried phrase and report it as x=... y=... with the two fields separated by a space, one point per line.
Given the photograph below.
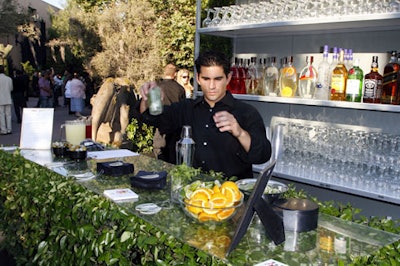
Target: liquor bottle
x=242 y=77
x=253 y=77
x=338 y=80
x=354 y=85
x=390 y=86
x=373 y=84
x=262 y=67
x=341 y=247
x=349 y=62
x=271 y=79
x=284 y=63
x=335 y=59
x=323 y=82
x=308 y=79
x=288 y=80
x=234 y=85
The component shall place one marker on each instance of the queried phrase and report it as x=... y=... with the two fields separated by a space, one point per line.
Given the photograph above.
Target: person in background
x=19 y=93
x=78 y=95
x=6 y=87
x=58 y=82
x=183 y=78
x=164 y=144
x=35 y=86
x=46 y=92
x=229 y=134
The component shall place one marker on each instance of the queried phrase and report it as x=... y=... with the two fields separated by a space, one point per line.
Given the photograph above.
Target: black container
x=115 y=168
x=77 y=155
x=60 y=152
x=299 y=215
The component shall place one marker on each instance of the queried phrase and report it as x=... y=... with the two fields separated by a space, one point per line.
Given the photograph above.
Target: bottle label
x=370 y=87
x=353 y=87
x=390 y=77
x=338 y=84
x=340 y=244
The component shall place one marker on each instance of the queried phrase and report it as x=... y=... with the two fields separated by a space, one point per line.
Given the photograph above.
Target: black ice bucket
x=299 y=215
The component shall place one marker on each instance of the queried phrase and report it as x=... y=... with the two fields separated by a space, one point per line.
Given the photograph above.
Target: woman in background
x=78 y=95
x=183 y=78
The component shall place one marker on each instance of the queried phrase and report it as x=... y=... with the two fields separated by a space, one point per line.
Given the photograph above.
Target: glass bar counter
x=312 y=247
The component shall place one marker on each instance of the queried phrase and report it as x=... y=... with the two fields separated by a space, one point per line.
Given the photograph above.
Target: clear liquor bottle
x=373 y=84
x=308 y=79
x=262 y=67
x=390 y=86
x=288 y=80
x=253 y=77
x=322 y=90
x=354 y=85
x=338 y=80
x=271 y=79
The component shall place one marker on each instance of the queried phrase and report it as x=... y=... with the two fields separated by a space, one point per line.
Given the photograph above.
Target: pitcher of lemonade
x=75 y=131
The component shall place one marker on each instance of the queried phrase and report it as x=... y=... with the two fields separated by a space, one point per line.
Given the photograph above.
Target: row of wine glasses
x=287 y=10
x=358 y=159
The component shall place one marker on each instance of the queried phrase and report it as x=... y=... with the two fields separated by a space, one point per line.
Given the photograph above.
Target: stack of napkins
x=121 y=194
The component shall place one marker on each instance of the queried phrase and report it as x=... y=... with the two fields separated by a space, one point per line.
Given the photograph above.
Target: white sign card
x=37 y=128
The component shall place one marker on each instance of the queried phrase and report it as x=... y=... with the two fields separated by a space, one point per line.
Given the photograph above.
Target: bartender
x=229 y=134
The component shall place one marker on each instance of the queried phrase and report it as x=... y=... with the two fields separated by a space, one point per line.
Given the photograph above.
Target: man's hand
x=226 y=122
x=144 y=91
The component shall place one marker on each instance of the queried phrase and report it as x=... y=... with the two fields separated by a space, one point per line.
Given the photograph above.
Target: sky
x=57 y=3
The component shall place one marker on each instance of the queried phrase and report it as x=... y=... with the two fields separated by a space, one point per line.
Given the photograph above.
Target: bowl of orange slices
x=211 y=201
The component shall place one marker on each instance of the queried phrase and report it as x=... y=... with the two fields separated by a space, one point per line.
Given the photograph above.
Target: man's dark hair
x=213 y=58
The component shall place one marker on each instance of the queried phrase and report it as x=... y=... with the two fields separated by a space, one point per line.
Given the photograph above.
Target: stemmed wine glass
x=216 y=17
x=206 y=22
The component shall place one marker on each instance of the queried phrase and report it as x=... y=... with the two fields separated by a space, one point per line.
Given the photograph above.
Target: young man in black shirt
x=229 y=134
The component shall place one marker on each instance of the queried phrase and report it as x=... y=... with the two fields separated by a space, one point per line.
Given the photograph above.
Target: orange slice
x=216 y=189
x=201 y=193
x=218 y=200
x=204 y=217
x=208 y=208
x=230 y=196
x=225 y=214
x=230 y=184
x=235 y=194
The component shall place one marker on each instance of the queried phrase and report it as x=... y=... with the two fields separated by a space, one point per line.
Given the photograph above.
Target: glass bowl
x=272 y=192
x=211 y=204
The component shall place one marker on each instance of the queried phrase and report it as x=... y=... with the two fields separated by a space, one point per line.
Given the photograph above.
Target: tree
x=177 y=26
x=133 y=39
x=11 y=16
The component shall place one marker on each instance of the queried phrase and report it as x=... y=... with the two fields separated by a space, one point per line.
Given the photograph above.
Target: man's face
x=213 y=82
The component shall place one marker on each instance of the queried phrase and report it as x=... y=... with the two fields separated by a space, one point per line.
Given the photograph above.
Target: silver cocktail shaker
x=185 y=147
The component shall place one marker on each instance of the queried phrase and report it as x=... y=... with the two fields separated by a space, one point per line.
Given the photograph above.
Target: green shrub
x=51 y=220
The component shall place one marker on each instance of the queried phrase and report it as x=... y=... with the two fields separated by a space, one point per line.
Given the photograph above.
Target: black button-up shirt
x=215 y=150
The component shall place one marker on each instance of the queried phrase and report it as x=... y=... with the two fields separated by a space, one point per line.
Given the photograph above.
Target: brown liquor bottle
x=373 y=84
x=390 y=86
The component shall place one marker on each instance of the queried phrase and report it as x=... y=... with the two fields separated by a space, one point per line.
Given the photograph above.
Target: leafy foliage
x=141 y=136
x=11 y=15
x=51 y=220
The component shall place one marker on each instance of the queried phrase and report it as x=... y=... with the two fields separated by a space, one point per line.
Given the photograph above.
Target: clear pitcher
x=75 y=131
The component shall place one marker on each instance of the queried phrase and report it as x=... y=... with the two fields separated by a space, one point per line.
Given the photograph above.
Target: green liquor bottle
x=354 y=86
